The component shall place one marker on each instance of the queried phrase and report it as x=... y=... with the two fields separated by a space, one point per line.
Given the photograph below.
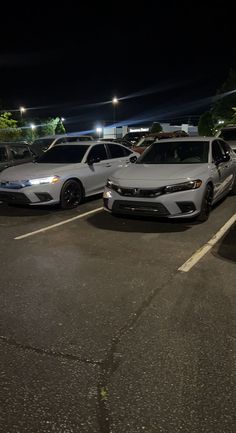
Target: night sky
x=163 y=58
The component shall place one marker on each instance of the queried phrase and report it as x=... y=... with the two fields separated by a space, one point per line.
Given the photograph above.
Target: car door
x=4 y=158
x=228 y=165
x=118 y=156
x=220 y=169
x=20 y=154
x=98 y=169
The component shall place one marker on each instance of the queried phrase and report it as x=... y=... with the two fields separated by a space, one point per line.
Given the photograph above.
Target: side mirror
x=92 y=161
x=133 y=159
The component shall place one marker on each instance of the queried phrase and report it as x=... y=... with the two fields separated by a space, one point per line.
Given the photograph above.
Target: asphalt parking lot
x=100 y=330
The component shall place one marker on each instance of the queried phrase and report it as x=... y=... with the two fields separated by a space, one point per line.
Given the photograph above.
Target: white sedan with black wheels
x=64 y=174
x=176 y=178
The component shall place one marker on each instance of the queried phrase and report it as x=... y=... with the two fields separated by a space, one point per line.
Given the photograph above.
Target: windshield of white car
x=66 y=154
x=176 y=152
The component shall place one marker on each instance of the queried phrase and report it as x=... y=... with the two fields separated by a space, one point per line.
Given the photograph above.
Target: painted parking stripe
x=201 y=252
x=44 y=229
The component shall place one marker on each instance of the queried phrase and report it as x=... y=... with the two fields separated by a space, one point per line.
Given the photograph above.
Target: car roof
x=89 y=142
x=187 y=139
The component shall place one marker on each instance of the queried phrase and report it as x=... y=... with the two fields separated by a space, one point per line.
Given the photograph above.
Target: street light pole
x=114 y=102
x=22 y=110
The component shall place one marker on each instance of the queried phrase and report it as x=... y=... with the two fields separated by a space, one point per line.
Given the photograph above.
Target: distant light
x=115 y=100
x=138 y=129
x=99 y=129
x=32 y=126
x=63 y=119
x=22 y=109
x=220 y=122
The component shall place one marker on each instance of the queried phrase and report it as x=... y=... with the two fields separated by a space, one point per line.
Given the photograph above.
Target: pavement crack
x=55 y=354
x=111 y=362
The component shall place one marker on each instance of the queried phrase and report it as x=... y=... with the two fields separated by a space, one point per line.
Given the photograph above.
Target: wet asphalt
x=100 y=332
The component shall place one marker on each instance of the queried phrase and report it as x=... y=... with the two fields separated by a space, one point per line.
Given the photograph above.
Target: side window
x=3 y=154
x=126 y=151
x=217 y=153
x=20 y=152
x=117 y=151
x=226 y=148
x=98 y=151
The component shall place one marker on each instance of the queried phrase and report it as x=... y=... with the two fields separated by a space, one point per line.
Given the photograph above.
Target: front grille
x=139 y=208
x=14 y=197
x=139 y=192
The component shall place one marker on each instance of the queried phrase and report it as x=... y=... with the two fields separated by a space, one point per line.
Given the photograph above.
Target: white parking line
x=206 y=247
x=58 y=224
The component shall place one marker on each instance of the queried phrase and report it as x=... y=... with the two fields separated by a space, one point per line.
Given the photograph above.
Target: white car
x=175 y=178
x=64 y=174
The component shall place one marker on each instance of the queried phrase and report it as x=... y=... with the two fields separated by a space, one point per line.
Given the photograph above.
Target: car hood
x=35 y=170
x=161 y=174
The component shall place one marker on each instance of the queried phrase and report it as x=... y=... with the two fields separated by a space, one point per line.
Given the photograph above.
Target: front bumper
x=32 y=195
x=185 y=204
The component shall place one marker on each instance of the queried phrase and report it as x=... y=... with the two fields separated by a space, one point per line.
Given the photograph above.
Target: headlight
x=192 y=184
x=43 y=180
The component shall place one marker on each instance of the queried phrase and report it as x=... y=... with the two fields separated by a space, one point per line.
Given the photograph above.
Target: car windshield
x=176 y=152
x=66 y=154
x=228 y=134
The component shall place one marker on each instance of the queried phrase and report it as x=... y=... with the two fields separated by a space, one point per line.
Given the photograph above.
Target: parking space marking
x=58 y=224
x=201 y=252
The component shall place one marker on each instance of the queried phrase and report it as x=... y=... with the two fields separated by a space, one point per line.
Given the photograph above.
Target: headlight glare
x=185 y=186
x=43 y=180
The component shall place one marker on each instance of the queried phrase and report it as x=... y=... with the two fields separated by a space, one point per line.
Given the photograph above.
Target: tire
x=206 y=205
x=71 y=194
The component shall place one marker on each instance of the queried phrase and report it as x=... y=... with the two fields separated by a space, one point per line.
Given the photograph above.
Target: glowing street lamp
x=99 y=130
x=32 y=126
x=22 y=111
x=114 y=102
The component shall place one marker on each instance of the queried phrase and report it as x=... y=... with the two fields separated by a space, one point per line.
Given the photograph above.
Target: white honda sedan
x=176 y=178
x=64 y=174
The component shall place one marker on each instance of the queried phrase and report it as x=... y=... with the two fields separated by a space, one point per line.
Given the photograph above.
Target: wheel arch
x=77 y=180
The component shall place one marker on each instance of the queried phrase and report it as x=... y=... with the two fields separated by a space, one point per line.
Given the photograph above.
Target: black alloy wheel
x=206 y=204
x=71 y=194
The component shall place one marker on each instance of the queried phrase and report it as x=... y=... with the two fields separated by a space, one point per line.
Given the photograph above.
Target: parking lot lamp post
x=22 y=111
x=99 y=130
x=114 y=102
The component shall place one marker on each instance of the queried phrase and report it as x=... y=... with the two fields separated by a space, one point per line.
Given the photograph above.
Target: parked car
x=41 y=145
x=134 y=137
x=228 y=133
x=64 y=174
x=176 y=178
x=143 y=144
x=149 y=139
x=15 y=153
